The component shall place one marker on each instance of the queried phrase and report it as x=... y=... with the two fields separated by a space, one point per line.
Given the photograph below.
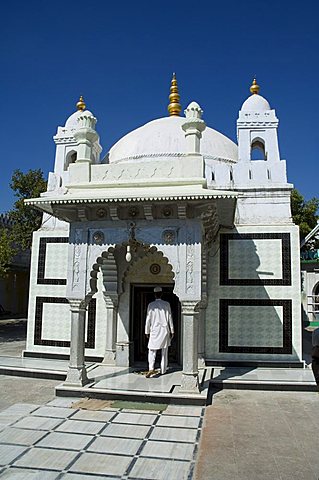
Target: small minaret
x=257 y=128
x=174 y=107
x=193 y=127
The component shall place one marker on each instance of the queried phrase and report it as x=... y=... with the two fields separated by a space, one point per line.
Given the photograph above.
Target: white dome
x=72 y=121
x=255 y=103
x=165 y=136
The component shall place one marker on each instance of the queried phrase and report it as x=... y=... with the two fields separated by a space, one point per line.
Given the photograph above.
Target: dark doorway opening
x=141 y=296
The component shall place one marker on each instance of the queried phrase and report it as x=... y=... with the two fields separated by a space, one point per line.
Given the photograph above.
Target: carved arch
x=141 y=255
x=71 y=157
x=257 y=149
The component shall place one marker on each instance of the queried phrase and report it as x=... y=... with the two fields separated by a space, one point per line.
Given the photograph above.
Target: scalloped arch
x=140 y=257
x=106 y=263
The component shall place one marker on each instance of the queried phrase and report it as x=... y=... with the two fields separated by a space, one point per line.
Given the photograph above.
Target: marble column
x=190 y=347
x=111 y=303
x=201 y=333
x=76 y=374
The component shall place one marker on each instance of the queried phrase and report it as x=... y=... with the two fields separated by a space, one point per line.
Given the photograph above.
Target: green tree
x=7 y=251
x=304 y=212
x=25 y=218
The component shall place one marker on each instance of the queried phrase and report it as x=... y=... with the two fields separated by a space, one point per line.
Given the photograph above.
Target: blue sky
x=120 y=56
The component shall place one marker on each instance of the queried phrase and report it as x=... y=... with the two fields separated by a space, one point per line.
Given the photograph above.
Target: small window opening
x=250 y=174
x=213 y=176
x=257 y=151
x=268 y=174
x=73 y=157
x=231 y=175
x=70 y=158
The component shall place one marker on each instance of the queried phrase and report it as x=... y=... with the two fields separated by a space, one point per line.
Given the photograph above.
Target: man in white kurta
x=160 y=330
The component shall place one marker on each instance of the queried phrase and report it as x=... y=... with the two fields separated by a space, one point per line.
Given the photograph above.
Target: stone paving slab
x=71 y=441
x=120 y=446
x=28 y=474
x=20 y=436
x=178 y=451
x=81 y=426
x=126 y=431
x=40 y=423
x=174 y=434
x=135 y=418
x=178 y=421
x=47 y=458
x=57 y=412
x=8 y=453
x=103 y=464
x=96 y=415
x=155 y=469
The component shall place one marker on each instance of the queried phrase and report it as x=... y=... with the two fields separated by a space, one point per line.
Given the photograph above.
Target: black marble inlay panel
x=91 y=319
x=41 y=280
x=285 y=259
x=224 y=305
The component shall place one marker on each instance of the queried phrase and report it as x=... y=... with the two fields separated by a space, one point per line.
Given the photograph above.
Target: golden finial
x=81 y=105
x=174 y=106
x=254 y=89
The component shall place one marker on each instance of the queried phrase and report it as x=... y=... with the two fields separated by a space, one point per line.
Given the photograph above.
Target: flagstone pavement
x=243 y=435
x=55 y=441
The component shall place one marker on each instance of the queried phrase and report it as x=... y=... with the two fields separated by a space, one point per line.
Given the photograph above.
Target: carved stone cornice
x=190 y=307
x=77 y=304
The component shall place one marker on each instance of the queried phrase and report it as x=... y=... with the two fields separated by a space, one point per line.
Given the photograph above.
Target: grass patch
x=139 y=405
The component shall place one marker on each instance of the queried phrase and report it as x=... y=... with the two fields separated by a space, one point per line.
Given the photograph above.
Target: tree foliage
x=304 y=212
x=18 y=236
x=7 y=251
x=25 y=218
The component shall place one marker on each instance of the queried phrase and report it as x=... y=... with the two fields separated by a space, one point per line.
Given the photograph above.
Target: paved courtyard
x=56 y=441
x=243 y=435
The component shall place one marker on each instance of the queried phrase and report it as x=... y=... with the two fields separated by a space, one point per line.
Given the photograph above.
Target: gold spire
x=174 y=107
x=254 y=89
x=81 y=105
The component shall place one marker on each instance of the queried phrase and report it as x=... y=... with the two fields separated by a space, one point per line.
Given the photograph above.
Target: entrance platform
x=120 y=383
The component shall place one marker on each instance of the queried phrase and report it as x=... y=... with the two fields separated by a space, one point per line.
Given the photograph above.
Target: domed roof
x=255 y=103
x=165 y=136
x=72 y=121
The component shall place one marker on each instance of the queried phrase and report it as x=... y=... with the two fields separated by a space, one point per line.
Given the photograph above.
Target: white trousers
x=164 y=360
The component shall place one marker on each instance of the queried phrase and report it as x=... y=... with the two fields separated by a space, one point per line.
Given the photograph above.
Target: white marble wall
x=264 y=322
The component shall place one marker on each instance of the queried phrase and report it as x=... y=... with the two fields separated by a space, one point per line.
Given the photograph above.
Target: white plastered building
x=177 y=204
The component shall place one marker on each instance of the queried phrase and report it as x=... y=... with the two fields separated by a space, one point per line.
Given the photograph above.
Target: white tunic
x=159 y=324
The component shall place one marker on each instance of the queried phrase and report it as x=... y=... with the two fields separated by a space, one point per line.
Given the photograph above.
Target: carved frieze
x=76 y=257
x=169 y=237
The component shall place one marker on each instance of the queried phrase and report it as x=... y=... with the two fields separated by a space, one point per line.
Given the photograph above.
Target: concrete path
x=254 y=435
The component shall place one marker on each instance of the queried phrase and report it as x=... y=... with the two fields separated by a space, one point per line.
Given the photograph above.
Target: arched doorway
x=141 y=296
x=142 y=275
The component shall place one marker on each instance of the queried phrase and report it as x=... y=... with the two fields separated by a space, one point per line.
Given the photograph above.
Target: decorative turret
x=257 y=129
x=193 y=127
x=85 y=136
x=76 y=141
x=258 y=151
x=174 y=108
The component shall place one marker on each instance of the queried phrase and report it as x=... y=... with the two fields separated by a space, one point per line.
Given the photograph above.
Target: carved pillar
x=190 y=347
x=111 y=303
x=76 y=374
x=201 y=333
